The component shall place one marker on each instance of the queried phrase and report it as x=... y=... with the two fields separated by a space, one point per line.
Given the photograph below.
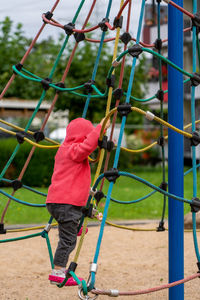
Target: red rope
x=86 y=30
x=57 y=24
x=122 y=8
x=181 y=9
x=98 y=41
x=133 y=39
x=27 y=53
x=147 y=291
x=117 y=100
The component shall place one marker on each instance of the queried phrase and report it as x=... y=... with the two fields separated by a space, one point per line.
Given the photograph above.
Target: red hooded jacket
x=71 y=179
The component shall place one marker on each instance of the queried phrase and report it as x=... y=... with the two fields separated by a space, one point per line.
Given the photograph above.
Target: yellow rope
x=28 y=131
x=36 y=144
x=190 y=124
x=186 y=134
x=140 y=111
x=28 y=140
x=85 y=223
x=108 y=115
x=108 y=105
x=102 y=151
x=139 y=150
x=107 y=222
x=30 y=228
x=155 y=143
x=142 y=229
x=129 y=228
x=40 y=145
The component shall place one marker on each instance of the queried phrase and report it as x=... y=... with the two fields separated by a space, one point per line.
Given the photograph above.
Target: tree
x=13 y=45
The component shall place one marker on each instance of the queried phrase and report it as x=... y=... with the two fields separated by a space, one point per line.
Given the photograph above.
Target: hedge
x=40 y=168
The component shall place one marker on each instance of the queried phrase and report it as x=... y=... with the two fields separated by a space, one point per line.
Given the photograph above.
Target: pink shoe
x=57 y=276
x=80 y=231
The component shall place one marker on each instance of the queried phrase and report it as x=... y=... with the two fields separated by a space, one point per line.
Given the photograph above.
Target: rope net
x=130 y=54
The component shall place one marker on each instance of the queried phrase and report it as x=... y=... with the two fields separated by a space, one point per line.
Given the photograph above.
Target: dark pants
x=68 y=217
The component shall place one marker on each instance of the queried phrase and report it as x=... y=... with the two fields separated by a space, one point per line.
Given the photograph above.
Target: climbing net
x=105 y=145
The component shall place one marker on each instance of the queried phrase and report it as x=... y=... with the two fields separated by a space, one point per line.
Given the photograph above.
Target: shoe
x=80 y=231
x=57 y=276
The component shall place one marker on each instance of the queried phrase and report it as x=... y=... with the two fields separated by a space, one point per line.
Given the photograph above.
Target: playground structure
x=175 y=125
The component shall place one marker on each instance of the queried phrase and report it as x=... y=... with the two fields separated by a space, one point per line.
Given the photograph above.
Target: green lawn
x=125 y=189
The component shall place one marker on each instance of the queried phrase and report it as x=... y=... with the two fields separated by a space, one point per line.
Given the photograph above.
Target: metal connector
x=114 y=293
x=47 y=227
x=150 y=116
x=116 y=63
x=92 y=192
x=93 y=267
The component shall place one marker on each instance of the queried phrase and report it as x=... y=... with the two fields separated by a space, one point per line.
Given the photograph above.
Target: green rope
x=43 y=93
x=161 y=116
x=168 y=62
x=78 y=281
x=21 y=238
x=154 y=54
x=45 y=235
x=198 y=49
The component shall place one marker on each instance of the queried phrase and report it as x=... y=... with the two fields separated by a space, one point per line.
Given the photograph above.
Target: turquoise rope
x=133 y=201
x=121 y=173
x=155 y=187
x=20 y=201
x=92 y=281
x=190 y=170
x=196 y=247
x=26 y=187
x=97 y=61
x=148 y=195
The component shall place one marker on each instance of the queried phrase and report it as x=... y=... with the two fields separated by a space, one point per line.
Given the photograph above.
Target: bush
x=40 y=168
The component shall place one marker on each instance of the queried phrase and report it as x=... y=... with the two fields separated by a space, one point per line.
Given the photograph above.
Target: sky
x=29 y=13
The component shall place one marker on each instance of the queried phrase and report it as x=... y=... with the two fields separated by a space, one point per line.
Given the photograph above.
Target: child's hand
x=99 y=216
x=107 y=123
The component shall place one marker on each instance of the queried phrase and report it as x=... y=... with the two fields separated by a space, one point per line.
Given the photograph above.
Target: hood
x=77 y=130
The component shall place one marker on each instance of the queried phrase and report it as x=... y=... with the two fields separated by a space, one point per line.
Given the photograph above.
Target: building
x=18 y=111
x=149 y=37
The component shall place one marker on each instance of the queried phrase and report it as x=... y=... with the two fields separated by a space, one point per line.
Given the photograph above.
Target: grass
x=125 y=189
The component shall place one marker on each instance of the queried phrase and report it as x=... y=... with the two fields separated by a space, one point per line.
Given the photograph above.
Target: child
x=69 y=189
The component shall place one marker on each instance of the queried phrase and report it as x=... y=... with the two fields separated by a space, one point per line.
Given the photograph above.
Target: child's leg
x=68 y=228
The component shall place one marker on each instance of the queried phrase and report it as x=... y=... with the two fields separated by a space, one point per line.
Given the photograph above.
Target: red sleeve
x=81 y=151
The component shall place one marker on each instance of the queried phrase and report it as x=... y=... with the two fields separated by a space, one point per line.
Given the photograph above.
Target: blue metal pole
x=175 y=154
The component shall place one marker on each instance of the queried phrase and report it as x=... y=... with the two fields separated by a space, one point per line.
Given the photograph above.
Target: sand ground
x=128 y=261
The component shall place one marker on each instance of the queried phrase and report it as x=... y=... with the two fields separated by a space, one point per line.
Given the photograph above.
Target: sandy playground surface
x=128 y=261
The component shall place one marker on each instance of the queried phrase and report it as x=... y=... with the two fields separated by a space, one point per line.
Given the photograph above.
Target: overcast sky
x=29 y=13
